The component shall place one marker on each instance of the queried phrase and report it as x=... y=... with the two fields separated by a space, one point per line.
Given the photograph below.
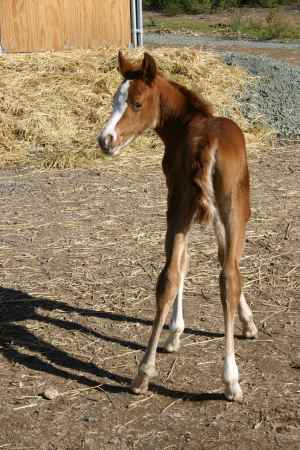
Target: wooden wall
x=33 y=25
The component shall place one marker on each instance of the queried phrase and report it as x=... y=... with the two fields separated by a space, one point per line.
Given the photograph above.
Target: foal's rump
x=219 y=165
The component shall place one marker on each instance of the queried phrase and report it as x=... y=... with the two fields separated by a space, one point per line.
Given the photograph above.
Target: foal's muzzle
x=106 y=143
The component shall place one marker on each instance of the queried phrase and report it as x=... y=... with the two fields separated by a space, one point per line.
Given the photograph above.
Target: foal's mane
x=196 y=102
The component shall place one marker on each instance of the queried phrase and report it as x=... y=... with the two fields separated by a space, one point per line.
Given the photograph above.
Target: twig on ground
x=171 y=369
x=170 y=405
x=138 y=402
x=207 y=341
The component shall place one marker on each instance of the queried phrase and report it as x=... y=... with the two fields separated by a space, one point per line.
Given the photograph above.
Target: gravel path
x=276 y=94
x=184 y=39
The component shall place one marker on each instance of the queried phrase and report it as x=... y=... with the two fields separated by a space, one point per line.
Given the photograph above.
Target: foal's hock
x=206 y=171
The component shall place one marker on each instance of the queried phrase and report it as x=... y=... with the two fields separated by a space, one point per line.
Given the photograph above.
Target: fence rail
x=33 y=25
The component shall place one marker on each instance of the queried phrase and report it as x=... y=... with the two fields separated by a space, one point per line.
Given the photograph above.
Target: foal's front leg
x=177 y=321
x=167 y=288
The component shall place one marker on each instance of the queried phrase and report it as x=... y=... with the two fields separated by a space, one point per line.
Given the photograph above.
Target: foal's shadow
x=16 y=339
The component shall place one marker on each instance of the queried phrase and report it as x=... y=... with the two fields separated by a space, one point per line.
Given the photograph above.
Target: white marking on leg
x=246 y=317
x=231 y=379
x=176 y=326
x=119 y=107
x=231 y=373
x=177 y=322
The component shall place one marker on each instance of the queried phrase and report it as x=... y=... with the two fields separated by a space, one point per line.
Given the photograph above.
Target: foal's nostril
x=99 y=140
x=108 y=141
x=105 y=142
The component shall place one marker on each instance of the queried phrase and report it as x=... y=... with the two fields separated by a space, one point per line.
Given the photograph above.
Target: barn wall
x=33 y=25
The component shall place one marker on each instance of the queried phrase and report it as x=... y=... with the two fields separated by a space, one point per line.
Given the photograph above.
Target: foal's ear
x=148 y=68
x=124 y=65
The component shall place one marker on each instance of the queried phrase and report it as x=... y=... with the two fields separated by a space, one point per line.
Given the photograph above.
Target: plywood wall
x=33 y=25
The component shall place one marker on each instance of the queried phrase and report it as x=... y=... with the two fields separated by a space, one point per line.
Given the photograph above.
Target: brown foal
x=206 y=171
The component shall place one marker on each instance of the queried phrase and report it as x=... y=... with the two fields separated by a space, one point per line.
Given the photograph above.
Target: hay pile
x=52 y=105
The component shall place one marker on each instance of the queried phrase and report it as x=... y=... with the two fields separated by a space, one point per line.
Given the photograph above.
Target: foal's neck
x=178 y=105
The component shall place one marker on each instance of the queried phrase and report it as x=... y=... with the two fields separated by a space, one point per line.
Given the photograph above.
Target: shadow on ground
x=17 y=306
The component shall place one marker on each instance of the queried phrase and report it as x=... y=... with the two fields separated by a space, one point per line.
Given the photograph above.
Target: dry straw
x=52 y=105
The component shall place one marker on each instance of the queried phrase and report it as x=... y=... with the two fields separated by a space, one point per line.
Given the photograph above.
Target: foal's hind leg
x=177 y=322
x=230 y=288
x=234 y=222
x=244 y=311
x=167 y=288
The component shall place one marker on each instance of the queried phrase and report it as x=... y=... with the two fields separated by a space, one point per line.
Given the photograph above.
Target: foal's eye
x=137 y=106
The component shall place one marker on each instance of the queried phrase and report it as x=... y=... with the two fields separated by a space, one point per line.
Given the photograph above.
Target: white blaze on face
x=119 y=108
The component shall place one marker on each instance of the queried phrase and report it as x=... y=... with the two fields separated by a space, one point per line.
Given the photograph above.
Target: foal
x=207 y=178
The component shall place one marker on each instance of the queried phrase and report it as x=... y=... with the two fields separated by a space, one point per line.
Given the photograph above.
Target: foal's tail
x=204 y=164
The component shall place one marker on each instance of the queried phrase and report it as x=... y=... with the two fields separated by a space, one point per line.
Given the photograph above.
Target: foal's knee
x=168 y=283
x=168 y=277
x=230 y=284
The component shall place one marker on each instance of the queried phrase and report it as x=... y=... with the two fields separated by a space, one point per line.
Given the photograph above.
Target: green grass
x=172 y=7
x=177 y=24
x=273 y=27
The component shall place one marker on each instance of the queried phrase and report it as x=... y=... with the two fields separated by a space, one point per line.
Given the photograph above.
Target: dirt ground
x=289 y=55
x=80 y=253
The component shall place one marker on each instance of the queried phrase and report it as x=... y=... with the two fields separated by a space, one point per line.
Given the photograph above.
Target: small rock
x=50 y=393
x=187 y=436
x=295 y=359
x=89 y=419
x=90 y=444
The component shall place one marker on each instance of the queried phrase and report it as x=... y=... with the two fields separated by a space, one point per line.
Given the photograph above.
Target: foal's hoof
x=250 y=330
x=140 y=384
x=172 y=344
x=234 y=393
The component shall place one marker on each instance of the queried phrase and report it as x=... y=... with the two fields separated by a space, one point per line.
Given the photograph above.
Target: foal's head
x=135 y=105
